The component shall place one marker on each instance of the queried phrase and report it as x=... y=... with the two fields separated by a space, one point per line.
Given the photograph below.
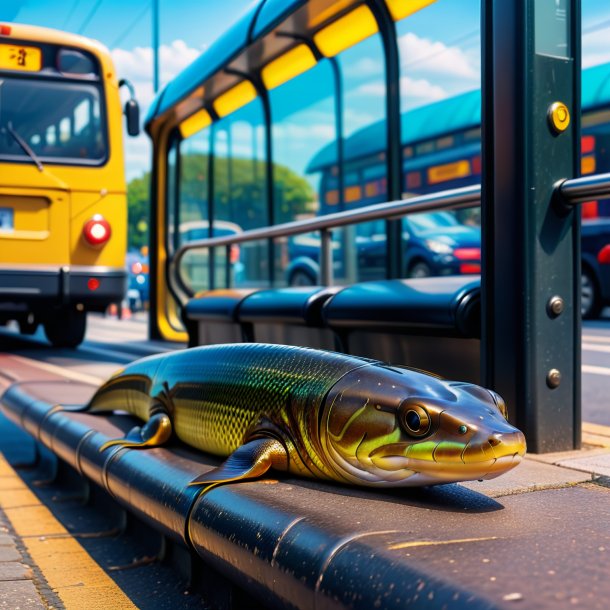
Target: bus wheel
x=66 y=328
x=28 y=325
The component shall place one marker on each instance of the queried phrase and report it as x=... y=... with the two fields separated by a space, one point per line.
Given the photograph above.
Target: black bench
x=212 y=317
x=428 y=323
x=291 y=316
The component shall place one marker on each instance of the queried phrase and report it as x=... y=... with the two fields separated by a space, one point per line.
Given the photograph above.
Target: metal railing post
x=326 y=257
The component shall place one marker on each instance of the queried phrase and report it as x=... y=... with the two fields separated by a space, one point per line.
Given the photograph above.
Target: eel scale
x=314 y=413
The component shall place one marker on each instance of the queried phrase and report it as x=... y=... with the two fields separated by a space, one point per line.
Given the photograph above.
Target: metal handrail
x=580 y=190
x=573 y=191
x=451 y=199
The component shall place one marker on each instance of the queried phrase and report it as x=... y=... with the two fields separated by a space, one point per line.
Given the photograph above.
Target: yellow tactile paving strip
x=596 y=434
x=69 y=570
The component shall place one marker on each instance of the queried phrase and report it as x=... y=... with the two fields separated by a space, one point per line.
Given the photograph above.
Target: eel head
x=384 y=426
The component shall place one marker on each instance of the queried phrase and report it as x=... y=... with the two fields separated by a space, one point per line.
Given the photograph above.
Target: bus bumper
x=28 y=288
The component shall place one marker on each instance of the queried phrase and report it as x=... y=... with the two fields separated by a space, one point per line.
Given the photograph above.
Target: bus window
x=187 y=197
x=304 y=123
x=363 y=78
x=240 y=198
x=37 y=110
x=440 y=75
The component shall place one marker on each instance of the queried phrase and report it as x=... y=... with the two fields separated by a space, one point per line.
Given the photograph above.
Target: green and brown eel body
x=314 y=413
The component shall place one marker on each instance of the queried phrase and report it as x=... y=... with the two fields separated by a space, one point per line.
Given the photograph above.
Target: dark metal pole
x=531 y=245
x=387 y=30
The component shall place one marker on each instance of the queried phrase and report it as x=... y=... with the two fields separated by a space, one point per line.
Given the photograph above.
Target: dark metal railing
x=574 y=191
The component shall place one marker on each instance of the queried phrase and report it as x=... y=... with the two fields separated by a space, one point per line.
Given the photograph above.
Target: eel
x=313 y=413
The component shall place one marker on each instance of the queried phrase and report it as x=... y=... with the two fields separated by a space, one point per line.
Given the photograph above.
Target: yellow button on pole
x=559 y=116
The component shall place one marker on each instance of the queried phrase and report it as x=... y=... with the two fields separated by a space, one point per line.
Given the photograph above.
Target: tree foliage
x=239 y=194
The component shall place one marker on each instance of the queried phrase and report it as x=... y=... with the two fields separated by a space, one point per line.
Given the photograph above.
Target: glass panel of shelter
x=440 y=79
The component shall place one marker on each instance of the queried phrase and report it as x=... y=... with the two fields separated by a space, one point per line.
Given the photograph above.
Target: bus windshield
x=61 y=122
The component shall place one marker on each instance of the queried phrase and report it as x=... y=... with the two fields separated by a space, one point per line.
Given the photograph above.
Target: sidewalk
x=537 y=537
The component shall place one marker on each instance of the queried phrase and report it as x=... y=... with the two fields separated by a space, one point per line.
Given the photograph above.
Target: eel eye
x=463 y=429
x=416 y=421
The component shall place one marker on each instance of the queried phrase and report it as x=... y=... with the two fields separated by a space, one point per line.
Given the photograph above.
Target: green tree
x=138 y=211
x=239 y=194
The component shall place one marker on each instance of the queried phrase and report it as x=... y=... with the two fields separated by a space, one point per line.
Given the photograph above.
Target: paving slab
x=530 y=475
x=14 y=570
x=596 y=464
x=20 y=594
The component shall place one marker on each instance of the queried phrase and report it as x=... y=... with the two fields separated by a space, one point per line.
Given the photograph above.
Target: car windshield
x=59 y=121
x=422 y=223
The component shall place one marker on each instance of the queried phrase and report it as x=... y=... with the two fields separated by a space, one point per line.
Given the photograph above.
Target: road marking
x=70 y=571
x=596 y=348
x=596 y=339
x=595 y=370
x=418 y=543
x=58 y=370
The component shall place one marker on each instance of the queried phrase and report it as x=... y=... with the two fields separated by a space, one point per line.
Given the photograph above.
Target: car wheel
x=420 y=269
x=590 y=303
x=66 y=328
x=301 y=278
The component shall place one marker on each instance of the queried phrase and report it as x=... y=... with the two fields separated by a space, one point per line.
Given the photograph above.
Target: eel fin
x=154 y=433
x=249 y=461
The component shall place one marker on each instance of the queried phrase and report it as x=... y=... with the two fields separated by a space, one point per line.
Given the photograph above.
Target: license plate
x=7 y=223
x=19 y=57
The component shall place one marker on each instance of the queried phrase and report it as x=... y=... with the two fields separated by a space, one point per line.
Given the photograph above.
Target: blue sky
x=439 y=46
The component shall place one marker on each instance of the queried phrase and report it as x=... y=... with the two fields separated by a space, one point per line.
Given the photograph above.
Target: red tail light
x=470 y=268
x=234 y=254
x=5 y=30
x=603 y=255
x=467 y=254
x=97 y=231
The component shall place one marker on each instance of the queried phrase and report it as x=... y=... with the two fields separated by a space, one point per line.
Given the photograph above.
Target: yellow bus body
x=48 y=208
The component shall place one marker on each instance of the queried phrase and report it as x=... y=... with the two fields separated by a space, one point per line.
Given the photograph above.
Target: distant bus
x=63 y=208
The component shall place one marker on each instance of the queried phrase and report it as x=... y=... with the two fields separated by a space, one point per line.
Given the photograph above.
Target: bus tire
x=66 y=328
x=28 y=325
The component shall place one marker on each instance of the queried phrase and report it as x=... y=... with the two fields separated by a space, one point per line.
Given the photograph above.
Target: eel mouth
x=450 y=461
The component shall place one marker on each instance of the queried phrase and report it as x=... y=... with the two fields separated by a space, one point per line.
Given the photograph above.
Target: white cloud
x=137 y=65
x=418 y=92
x=429 y=57
x=595 y=48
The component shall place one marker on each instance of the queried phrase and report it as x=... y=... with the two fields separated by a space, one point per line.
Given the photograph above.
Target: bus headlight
x=97 y=231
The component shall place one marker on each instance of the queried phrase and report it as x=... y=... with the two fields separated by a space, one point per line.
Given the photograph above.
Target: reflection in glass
x=440 y=78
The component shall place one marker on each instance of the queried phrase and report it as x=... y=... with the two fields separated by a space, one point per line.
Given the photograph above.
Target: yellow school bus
x=63 y=209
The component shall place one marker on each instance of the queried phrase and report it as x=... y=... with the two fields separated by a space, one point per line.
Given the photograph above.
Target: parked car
x=137 y=283
x=595 y=275
x=435 y=243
